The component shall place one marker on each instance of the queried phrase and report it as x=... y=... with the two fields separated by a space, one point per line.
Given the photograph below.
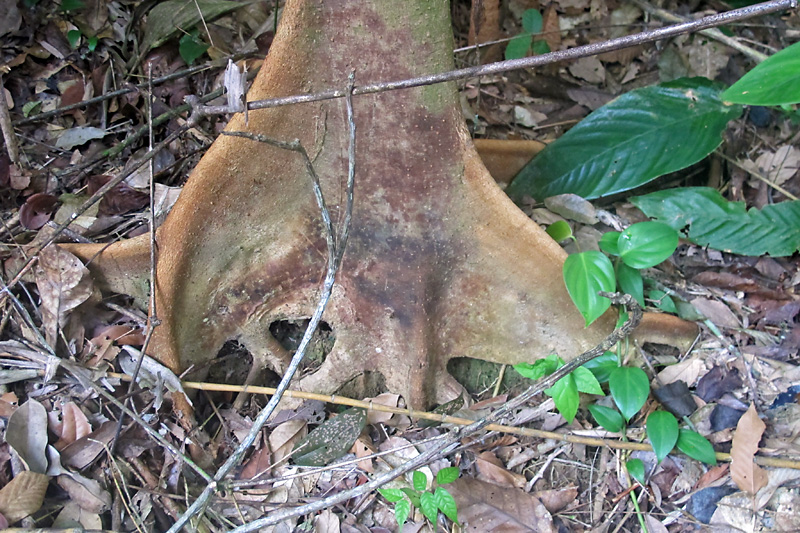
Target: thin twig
x=500 y=67
x=335 y=247
x=452 y=440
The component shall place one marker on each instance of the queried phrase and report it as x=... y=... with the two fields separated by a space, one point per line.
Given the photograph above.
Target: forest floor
x=59 y=424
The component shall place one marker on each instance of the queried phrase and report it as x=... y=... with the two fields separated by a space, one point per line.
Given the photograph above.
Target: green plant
x=430 y=502
x=191 y=47
x=521 y=45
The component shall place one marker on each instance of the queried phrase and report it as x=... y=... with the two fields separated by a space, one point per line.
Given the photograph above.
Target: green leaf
x=663 y=301
x=391 y=495
x=559 y=230
x=723 y=225
x=621 y=319
x=518 y=46
x=401 y=511
x=331 y=439
x=541 y=368
x=629 y=386
x=419 y=480
x=696 y=446
x=91 y=43
x=776 y=81
x=167 y=18
x=74 y=38
x=602 y=366
x=609 y=242
x=585 y=274
x=586 y=382
x=191 y=47
x=607 y=417
x=662 y=430
x=427 y=504
x=630 y=282
x=31 y=108
x=446 y=503
x=540 y=47
x=413 y=496
x=636 y=469
x=565 y=395
x=647 y=244
x=532 y=21
x=628 y=142
x=447 y=475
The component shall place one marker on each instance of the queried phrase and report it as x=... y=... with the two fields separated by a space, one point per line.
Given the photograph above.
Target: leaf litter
x=63 y=431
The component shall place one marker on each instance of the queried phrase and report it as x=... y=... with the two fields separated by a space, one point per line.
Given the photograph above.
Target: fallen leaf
x=687 y=371
x=556 y=500
x=491 y=469
x=74 y=425
x=64 y=283
x=87 y=493
x=260 y=461
x=484 y=506
x=27 y=434
x=77 y=136
x=589 y=69
x=326 y=522
x=284 y=437
x=85 y=449
x=37 y=210
x=717 y=312
x=23 y=496
x=780 y=165
x=551 y=30
x=72 y=513
x=747 y=475
x=331 y=440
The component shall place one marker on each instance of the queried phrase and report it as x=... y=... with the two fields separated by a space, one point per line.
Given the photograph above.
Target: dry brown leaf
x=258 y=463
x=717 y=312
x=74 y=425
x=363 y=448
x=23 y=495
x=654 y=525
x=86 y=448
x=557 y=500
x=714 y=473
x=326 y=522
x=747 y=475
x=27 y=434
x=87 y=493
x=484 y=506
x=551 y=29
x=382 y=417
x=8 y=404
x=64 y=283
x=285 y=436
x=688 y=370
x=491 y=469
x=484 y=27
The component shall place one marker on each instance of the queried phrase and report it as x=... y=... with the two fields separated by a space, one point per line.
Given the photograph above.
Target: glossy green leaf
x=518 y=47
x=401 y=511
x=629 y=387
x=391 y=495
x=621 y=319
x=559 y=231
x=636 y=469
x=586 y=382
x=647 y=244
x=662 y=430
x=541 y=368
x=663 y=301
x=446 y=504
x=696 y=446
x=723 y=225
x=776 y=81
x=628 y=142
x=566 y=397
x=331 y=439
x=91 y=43
x=602 y=366
x=413 y=496
x=419 y=481
x=427 y=504
x=447 y=475
x=607 y=417
x=72 y=5
x=609 y=242
x=585 y=274
x=630 y=282
x=532 y=21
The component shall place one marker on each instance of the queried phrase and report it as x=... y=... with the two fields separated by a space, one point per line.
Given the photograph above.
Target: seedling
x=430 y=502
x=521 y=45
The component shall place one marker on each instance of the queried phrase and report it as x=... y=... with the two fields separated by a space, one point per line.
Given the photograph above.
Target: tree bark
x=440 y=263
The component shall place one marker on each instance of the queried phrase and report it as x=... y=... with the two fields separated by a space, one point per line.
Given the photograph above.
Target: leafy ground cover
x=736 y=389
